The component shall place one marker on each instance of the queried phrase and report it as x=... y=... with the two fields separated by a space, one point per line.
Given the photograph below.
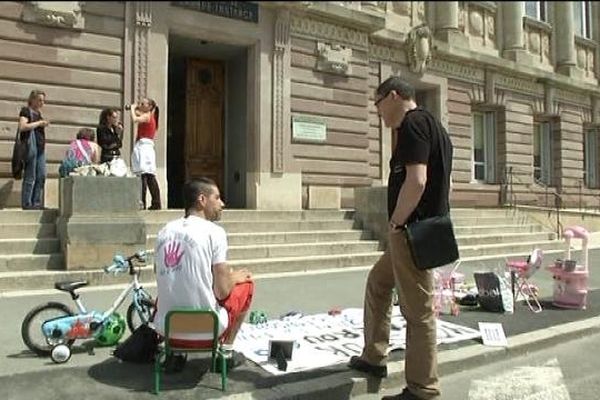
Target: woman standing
x=32 y=130
x=143 y=159
x=109 y=134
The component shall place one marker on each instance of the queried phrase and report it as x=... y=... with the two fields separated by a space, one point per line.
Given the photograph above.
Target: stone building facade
x=275 y=99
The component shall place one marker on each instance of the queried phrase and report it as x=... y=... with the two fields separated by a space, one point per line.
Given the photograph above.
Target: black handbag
x=141 y=347
x=432 y=242
x=19 y=156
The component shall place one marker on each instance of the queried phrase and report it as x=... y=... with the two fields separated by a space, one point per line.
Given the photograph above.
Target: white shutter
x=591 y=159
x=546 y=153
x=490 y=147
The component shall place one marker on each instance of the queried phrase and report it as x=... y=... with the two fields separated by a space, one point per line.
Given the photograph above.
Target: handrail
x=509 y=178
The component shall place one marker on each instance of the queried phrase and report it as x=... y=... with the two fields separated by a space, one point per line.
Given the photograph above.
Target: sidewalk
x=110 y=379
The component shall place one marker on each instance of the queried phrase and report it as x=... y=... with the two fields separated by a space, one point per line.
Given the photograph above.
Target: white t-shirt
x=186 y=249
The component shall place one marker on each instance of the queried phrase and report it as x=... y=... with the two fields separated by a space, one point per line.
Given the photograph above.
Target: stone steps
x=273 y=226
x=244 y=239
x=31 y=262
x=28 y=230
x=164 y=216
x=264 y=242
x=29 y=246
x=301 y=249
x=44 y=279
x=460 y=230
x=499 y=249
x=504 y=238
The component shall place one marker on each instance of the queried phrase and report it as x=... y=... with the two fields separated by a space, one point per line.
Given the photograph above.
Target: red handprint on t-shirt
x=173 y=254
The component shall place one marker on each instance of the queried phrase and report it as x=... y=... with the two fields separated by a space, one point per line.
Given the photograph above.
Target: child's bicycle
x=51 y=328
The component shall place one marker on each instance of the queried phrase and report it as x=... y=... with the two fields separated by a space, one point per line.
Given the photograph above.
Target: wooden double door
x=204 y=130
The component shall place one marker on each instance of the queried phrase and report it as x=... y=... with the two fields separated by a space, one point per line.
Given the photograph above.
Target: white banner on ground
x=323 y=339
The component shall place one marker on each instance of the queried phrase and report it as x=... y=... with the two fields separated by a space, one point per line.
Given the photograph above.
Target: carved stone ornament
x=62 y=14
x=333 y=58
x=418 y=48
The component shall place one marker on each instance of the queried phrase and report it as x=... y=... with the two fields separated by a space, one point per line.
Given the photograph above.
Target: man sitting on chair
x=191 y=271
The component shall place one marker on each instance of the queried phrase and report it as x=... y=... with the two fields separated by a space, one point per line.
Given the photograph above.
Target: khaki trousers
x=415 y=290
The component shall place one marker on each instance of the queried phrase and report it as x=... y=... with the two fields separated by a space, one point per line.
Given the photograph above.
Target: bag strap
x=85 y=154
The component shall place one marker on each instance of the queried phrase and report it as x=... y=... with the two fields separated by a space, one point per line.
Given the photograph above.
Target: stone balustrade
x=537 y=36
x=585 y=55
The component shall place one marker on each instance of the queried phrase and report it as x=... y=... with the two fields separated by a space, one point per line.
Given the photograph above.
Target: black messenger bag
x=432 y=242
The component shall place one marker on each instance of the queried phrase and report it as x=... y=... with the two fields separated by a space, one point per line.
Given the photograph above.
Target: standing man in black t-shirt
x=417 y=188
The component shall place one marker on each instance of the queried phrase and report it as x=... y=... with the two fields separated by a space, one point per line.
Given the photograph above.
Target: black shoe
x=233 y=361
x=357 y=363
x=405 y=395
x=154 y=207
x=174 y=363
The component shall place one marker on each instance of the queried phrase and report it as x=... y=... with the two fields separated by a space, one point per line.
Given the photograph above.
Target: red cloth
x=236 y=303
x=147 y=130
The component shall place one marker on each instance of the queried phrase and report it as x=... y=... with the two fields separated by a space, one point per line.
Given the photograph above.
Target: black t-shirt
x=40 y=133
x=420 y=138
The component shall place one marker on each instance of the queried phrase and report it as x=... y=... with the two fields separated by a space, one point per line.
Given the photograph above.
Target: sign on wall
x=241 y=10
x=309 y=128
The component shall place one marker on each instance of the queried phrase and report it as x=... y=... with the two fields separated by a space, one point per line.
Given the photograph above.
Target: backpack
x=141 y=347
x=73 y=159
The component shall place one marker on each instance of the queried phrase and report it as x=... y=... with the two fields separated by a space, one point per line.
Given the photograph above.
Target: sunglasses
x=379 y=100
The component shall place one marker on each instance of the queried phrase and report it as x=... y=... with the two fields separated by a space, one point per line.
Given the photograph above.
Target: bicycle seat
x=69 y=286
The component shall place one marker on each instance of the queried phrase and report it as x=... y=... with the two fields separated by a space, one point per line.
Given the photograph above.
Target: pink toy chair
x=521 y=272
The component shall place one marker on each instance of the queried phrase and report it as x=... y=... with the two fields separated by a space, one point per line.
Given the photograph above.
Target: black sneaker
x=174 y=363
x=357 y=363
x=233 y=360
x=405 y=395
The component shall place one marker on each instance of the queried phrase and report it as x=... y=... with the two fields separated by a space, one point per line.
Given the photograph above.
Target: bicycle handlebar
x=121 y=264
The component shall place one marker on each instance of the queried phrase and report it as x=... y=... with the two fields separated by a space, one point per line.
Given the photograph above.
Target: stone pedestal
x=370 y=205
x=99 y=216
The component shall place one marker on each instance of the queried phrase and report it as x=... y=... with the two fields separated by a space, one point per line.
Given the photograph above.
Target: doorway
x=207 y=118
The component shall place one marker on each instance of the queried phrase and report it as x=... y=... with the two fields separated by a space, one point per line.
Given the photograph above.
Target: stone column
x=564 y=30
x=446 y=23
x=446 y=16
x=281 y=91
x=513 y=12
x=143 y=21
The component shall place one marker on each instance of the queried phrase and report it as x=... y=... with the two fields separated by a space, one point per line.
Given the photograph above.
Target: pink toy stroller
x=445 y=280
x=521 y=272
x=570 y=278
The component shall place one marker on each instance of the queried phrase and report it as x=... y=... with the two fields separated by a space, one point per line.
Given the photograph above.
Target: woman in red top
x=143 y=159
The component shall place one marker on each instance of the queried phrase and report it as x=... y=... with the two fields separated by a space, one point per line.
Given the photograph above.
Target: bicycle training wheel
x=31 y=329
x=136 y=317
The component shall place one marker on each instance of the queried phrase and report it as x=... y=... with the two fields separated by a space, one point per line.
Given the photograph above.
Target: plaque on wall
x=308 y=128
x=240 y=10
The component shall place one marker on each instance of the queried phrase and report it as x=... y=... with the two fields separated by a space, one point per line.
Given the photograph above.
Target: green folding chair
x=186 y=321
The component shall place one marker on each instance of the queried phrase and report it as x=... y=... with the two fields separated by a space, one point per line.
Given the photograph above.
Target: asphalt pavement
x=98 y=375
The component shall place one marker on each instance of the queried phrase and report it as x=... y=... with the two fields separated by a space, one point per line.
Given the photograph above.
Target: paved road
x=564 y=372
x=276 y=295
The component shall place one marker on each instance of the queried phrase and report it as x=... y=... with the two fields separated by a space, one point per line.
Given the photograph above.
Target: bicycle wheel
x=31 y=329
x=143 y=315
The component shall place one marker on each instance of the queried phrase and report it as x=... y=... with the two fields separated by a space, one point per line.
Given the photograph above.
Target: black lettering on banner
x=448 y=332
x=313 y=339
x=349 y=334
x=328 y=337
x=335 y=350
